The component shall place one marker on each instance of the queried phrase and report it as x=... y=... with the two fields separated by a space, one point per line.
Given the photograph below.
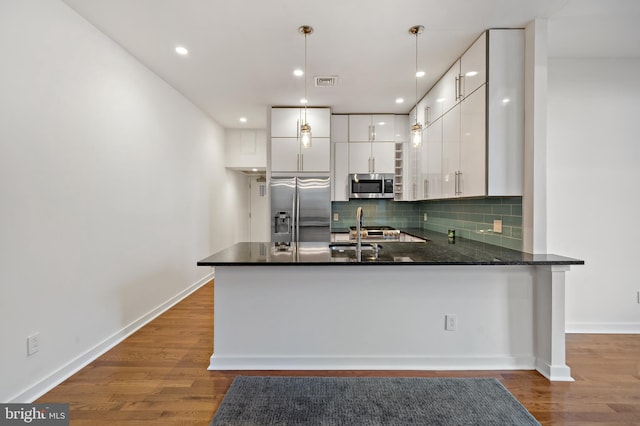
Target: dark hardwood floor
x=159 y=376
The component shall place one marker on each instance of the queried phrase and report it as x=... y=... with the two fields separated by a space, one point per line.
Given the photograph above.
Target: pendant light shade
x=305 y=128
x=416 y=128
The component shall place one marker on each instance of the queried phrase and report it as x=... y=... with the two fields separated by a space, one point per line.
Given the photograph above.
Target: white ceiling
x=242 y=53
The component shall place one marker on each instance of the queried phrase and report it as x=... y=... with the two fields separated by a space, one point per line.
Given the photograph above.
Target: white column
x=549 y=335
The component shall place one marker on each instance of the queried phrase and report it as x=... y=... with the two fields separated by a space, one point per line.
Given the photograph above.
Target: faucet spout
x=359 y=224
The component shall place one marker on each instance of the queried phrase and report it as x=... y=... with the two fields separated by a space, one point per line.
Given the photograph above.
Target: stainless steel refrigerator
x=300 y=209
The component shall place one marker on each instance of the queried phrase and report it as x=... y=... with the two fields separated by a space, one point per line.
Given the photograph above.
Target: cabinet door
x=359 y=155
x=450 y=152
x=316 y=158
x=432 y=161
x=383 y=127
x=473 y=66
x=472 y=176
x=320 y=121
x=340 y=171
x=402 y=128
x=445 y=92
x=339 y=128
x=384 y=157
x=284 y=154
x=360 y=128
x=285 y=122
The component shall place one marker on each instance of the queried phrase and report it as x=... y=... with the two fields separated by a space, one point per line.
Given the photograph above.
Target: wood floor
x=159 y=376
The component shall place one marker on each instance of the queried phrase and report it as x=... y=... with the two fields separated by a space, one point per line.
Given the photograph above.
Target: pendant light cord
x=416 y=76
x=305 y=78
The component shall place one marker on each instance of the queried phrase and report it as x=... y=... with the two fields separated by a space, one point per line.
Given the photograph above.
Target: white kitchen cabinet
x=369 y=128
x=431 y=182
x=360 y=154
x=464 y=148
x=472 y=170
x=473 y=67
x=287 y=153
x=285 y=122
x=339 y=128
x=482 y=133
x=367 y=157
x=372 y=143
x=339 y=171
x=450 y=152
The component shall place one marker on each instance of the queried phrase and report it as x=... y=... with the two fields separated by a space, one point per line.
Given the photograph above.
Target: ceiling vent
x=326 y=80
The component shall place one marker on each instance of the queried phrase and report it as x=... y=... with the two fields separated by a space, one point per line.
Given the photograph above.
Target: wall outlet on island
x=497 y=226
x=425 y=217
x=450 y=322
x=336 y=217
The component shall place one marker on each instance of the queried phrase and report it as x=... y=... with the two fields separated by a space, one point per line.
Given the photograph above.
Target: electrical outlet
x=33 y=344
x=336 y=217
x=425 y=216
x=450 y=322
x=497 y=226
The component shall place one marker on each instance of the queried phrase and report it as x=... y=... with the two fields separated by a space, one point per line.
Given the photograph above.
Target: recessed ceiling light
x=298 y=72
x=420 y=74
x=254 y=170
x=181 y=50
x=399 y=100
x=303 y=101
x=471 y=73
x=441 y=99
x=506 y=100
x=243 y=119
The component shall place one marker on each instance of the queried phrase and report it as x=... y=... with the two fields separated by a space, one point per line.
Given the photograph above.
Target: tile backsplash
x=471 y=218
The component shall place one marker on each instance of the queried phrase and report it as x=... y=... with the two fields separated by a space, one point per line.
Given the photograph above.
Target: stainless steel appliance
x=371 y=185
x=300 y=209
x=374 y=232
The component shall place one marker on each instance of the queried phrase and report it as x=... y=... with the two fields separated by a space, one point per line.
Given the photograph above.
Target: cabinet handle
x=455 y=184
x=457 y=86
x=458 y=183
x=414 y=190
x=426 y=188
x=427 y=116
x=298 y=129
x=301 y=168
x=461 y=84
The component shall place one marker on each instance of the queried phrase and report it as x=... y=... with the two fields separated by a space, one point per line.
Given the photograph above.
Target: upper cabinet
x=286 y=122
x=473 y=68
x=287 y=153
x=372 y=128
x=474 y=124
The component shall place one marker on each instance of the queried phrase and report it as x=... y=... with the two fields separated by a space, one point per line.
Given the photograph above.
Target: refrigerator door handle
x=297 y=218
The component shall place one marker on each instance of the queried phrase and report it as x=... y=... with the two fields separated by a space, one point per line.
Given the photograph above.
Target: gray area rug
x=369 y=401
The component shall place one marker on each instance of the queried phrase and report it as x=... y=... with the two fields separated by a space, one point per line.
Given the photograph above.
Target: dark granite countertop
x=437 y=251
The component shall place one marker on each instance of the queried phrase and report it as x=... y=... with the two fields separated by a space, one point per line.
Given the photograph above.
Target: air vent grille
x=326 y=80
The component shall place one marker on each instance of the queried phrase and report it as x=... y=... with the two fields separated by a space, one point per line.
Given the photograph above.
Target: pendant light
x=305 y=128
x=416 y=128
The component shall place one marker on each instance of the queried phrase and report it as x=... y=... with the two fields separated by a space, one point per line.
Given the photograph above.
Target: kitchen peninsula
x=439 y=305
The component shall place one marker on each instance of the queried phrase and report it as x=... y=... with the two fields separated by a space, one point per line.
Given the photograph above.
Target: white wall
x=112 y=186
x=593 y=197
x=246 y=148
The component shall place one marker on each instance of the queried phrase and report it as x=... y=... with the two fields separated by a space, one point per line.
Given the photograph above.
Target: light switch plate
x=336 y=217
x=497 y=226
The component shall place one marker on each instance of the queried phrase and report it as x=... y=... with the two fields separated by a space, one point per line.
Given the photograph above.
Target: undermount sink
x=351 y=246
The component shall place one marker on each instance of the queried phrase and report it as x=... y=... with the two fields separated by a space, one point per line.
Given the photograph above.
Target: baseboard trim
x=54 y=379
x=603 y=328
x=370 y=363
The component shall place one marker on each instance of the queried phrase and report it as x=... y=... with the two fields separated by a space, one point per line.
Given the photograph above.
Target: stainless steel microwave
x=371 y=185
